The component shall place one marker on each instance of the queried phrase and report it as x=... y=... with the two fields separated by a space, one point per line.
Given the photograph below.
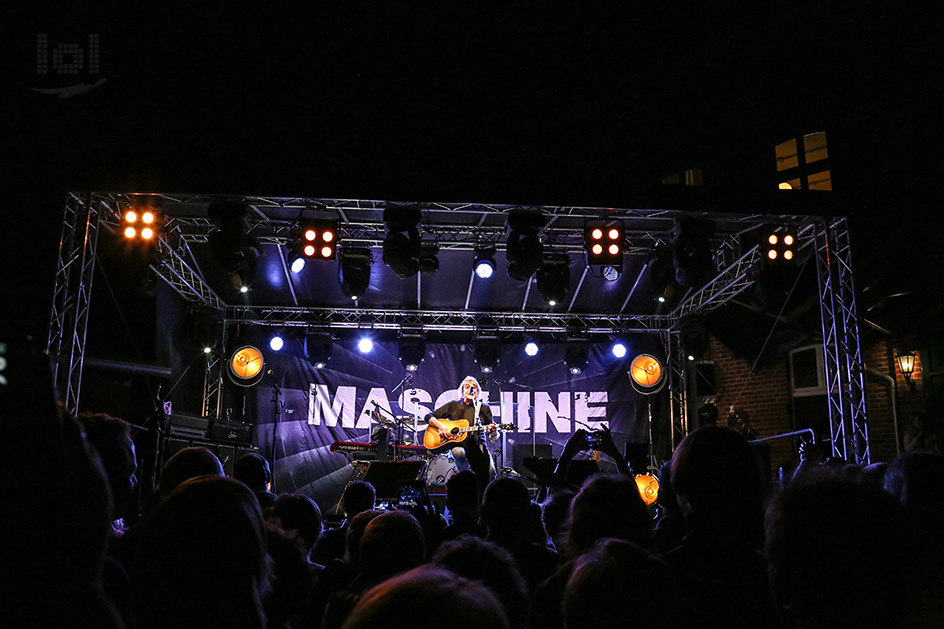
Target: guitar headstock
x=506 y=426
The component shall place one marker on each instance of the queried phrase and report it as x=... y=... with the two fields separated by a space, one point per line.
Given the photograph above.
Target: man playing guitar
x=471 y=408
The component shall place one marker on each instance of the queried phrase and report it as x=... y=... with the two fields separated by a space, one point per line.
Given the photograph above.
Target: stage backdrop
x=300 y=411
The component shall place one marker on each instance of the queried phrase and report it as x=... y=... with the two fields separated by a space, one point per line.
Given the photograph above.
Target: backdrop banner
x=300 y=411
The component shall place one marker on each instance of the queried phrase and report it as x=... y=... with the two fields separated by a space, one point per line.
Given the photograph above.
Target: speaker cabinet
x=227 y=453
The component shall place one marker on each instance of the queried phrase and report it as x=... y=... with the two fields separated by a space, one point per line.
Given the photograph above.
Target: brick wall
x=762 y=399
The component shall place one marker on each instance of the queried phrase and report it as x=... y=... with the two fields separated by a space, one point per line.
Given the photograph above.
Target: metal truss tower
x=68 y=321
x=845 y=372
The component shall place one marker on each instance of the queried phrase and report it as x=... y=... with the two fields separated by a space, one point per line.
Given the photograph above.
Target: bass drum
x=440 y=469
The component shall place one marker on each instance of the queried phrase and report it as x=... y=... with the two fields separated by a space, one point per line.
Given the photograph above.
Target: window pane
x=814 y=144
x=787 y=155
x=804 y=369
x=820 y=181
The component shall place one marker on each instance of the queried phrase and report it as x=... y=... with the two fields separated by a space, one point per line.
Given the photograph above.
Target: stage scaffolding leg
x=75 y=269
x=845 y=373
x=678 y=402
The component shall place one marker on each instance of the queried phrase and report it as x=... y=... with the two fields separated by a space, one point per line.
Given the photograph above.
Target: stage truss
x=465 y=226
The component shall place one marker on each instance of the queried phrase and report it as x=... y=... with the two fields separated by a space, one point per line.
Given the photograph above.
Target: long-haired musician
x=470 y=407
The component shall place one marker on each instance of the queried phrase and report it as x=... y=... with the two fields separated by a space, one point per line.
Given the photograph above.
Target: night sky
x=488 y=102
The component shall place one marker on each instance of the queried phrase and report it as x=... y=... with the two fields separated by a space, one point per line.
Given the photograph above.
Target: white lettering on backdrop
x=582 y=407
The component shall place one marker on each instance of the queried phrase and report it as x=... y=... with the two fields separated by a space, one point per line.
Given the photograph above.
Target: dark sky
x=492 y=102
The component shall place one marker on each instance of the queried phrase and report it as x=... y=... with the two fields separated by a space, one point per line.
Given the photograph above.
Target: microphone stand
x=407 y=379
x=276 y=395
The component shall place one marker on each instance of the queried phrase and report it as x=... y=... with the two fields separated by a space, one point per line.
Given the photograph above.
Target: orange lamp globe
x=648 y=486
x=245 y=365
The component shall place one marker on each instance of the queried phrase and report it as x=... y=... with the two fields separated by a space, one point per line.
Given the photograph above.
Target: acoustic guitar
x=458 y=431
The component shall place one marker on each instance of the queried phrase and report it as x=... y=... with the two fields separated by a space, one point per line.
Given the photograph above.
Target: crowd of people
x=837 y=545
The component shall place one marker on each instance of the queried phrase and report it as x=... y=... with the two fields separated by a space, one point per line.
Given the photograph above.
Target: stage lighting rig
x=354 y=271
x=317 y=239
x=402 y=246
x=318 y=349
x=603 y=242
x=553 y=278
x=780 y=246
x=524 y=250
x=141 y=224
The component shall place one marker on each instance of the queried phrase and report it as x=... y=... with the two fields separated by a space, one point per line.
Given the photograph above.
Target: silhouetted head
x=188 y=463
x=111 y=437
x=202 y=557
x=393 y=542
x=253 y=470
x=506 y=504
x=840 y=554
x=608 y=505
x=299 y=513
x=408 y=599
x=358 y=496
x=491 y=565
x=615 y=584
x=719 y=484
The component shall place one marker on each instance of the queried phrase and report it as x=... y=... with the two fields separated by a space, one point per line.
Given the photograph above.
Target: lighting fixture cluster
x=603 y=241
x=141 y=224
x=780 y=245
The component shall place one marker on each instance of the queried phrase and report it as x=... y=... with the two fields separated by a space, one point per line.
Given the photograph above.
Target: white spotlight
x=531 y=349
x=276 y=343
x=365 y=345
x=619 y=350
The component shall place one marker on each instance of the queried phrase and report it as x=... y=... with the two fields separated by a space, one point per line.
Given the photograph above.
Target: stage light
x=298 y=264
x=693 y=336
x=781 y=245
x=412 y=351
x=317 y=238
x=618 y=349
x=487 y=353
x=576 y=356
x=648 y=486
x=246 y=366
x=205 y=326
x=661 y=299
x=276 y=343
x=354 y=272
x=603 y=241
x=523 y=249
x=231 y=248
x=484 y=268
x=428 y=260
x=553 y=278
x=611 y=273
x=145 y=224
x=646 y=374
x=402 y=244
x=365 y=345
x=531 y=348
x=691 y=250
x=318 y=349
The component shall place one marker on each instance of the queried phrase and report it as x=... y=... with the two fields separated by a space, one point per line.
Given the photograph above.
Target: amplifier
x=191 y=426
x=232 y=432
